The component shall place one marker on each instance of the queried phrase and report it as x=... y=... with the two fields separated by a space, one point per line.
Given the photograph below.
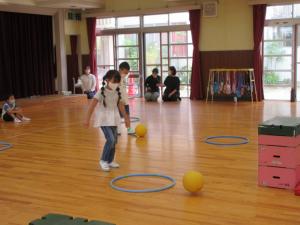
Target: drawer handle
x=276 y=156
x=276 y=177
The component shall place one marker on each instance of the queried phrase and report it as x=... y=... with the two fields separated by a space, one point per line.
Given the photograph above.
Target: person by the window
x=172 y=84
x=152 y=84
x=87 y=82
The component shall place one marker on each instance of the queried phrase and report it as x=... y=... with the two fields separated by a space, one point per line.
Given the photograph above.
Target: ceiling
x=49 y=7
x=65 y=4
x=68 y=4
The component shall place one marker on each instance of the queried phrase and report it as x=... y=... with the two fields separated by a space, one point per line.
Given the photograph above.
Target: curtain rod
x=138 y=12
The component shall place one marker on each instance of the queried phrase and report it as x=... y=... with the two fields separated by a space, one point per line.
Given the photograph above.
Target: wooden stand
x=248 y=71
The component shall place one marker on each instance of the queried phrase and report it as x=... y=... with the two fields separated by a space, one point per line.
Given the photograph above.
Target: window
x=296 y=10
x=181 y=53
x=128 y=50
x=166 y=49
x=128 y=22
x=179 y=18
x=107 y=23
x=171 y=19
x=297 y=72
x=105 y=55
x=144 y=48
x=283 y=12
x=156 y=20
x=279 y=12
x=281 y=65
x=278 y=61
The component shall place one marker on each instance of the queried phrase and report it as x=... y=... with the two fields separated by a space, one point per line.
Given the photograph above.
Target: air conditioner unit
x=73 y=15
x=210 y=9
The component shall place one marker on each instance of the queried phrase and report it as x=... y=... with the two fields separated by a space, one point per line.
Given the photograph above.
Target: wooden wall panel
x=224 y=59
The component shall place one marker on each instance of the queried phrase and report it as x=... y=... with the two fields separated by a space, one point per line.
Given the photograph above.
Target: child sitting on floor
x=10 y=112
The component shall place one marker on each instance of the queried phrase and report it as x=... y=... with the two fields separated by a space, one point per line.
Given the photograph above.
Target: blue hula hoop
x=5 y=146
x=143 y=190
x=243 y=141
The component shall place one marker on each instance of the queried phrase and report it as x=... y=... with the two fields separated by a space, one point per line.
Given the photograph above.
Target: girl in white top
x=110 y=101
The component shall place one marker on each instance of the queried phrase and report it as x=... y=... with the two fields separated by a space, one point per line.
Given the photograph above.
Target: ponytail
x=111 y=74
x=119 y=95
x=102 y=92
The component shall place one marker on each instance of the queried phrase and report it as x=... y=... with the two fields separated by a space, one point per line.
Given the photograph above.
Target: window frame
x=117 y=24
x=141 y=20
x=290 y=22
x=141 y=31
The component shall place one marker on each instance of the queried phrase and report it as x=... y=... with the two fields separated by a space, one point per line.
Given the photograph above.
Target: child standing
x=10 y=111
x=111 y=102
x=88 y=83
x=124 y=69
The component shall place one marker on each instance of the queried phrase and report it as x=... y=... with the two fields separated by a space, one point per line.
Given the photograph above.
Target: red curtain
x=73 y=41
x=259 y=14
x=196 y=79
x=73 y=70
x=91 y=30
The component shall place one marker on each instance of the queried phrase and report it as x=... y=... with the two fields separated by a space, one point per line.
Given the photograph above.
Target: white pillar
x=61 y=61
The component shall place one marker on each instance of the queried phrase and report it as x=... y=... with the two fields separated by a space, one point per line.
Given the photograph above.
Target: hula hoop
x=243 y=141
x=143 y=190
x=5 y=146
x=133 y=119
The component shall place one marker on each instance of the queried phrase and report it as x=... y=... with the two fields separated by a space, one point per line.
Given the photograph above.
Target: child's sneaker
x=16 y=120
x=104 y=166
x=25 y=118
x=114 y=165
x=130 y=131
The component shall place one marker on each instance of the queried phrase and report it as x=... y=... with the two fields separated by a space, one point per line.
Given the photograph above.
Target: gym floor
x=53 y=165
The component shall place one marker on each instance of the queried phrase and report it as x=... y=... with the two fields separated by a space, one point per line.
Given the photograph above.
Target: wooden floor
x=53 y=166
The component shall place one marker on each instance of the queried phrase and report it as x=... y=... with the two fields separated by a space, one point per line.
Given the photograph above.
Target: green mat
x=281 y=126
x=57 y=219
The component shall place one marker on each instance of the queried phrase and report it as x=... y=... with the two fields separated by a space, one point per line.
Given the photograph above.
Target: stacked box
x=279 y=152
x=57 y=219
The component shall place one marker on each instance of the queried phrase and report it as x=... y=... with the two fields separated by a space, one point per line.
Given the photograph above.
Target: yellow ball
x=193 y=181
x=140 y=130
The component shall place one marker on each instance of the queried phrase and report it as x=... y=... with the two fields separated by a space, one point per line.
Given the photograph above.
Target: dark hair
x=155 y=70
x=124 y=65
x=87 y=68
x=173 y=70
x=111 y=74
x=8 y=96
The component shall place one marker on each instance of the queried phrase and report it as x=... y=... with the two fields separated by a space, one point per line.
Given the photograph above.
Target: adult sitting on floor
x=172 y=84
x=152 y=84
